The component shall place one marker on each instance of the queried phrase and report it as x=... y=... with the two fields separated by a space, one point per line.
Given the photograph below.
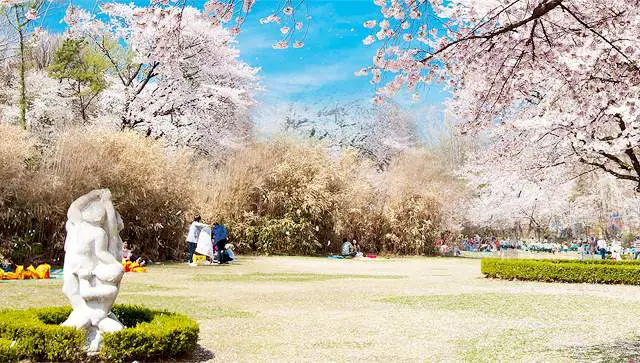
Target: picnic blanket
x=341 y=257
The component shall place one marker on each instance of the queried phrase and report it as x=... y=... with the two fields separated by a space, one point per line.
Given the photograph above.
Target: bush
x=36 y=337
x=277 y=197
x=154 y=335
x=152 y=189
x=292 y=197
x=8 y=351
x=573 y=271
x=150 y=335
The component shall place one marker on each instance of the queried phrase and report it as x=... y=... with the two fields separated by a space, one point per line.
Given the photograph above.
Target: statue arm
x=102 y=249
x=95 y=292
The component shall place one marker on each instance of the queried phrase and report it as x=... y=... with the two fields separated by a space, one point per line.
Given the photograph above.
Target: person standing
x=192 y=237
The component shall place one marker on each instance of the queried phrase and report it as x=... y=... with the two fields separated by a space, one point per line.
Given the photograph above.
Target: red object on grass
x=372 y=256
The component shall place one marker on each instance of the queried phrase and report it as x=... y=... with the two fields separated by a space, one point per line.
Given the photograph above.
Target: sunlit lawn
x=417 y=309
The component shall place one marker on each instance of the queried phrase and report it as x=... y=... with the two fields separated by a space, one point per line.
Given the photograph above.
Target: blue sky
x=321 y=71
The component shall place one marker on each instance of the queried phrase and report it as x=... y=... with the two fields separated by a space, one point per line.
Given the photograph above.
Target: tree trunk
x=23 y=93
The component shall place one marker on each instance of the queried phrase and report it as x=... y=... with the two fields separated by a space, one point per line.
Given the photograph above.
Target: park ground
x=290 y=309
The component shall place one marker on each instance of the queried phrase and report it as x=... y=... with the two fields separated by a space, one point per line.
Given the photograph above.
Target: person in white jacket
x=616 y=251
x=205 y=247
x=192 y=237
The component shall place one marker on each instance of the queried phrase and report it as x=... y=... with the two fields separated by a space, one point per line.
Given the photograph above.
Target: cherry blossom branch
x=594 y=31
x=538 y=12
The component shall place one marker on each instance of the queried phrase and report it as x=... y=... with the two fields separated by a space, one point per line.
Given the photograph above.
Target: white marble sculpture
x=92 y=265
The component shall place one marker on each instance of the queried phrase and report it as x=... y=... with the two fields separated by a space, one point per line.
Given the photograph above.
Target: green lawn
x=415 y=309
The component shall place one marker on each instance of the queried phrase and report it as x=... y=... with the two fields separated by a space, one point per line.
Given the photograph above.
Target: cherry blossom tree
x=291 y=16
x=378 y=134
x=559 y=77
x=20 y=14
x=176 y=75
x=42 y=47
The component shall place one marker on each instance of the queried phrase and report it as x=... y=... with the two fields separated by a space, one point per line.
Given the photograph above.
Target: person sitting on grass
x=348 y=251
x=357 y=248
x=127 y=255
x=602 y=248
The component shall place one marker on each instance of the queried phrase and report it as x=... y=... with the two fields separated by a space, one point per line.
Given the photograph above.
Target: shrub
x=38 y=340
x=291 y=197
x=150 y=335
x=573 y=271
x=152 y=190
x=8 y=351
x=153 y=335
x=277 y=197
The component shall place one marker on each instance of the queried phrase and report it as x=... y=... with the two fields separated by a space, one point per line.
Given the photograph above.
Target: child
x=127 y=255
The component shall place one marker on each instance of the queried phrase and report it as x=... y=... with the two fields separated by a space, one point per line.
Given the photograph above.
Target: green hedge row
x=575 y=271
x=35 y=337
x=35 y=334
x=597 y=261
x=156 y=334
x=8 y=351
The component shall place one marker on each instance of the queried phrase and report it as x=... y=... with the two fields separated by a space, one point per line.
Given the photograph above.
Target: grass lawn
x=401 y=310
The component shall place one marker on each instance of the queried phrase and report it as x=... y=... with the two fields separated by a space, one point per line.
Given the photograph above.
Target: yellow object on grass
x=199 y=259
x=41 y=272
x=132 y=266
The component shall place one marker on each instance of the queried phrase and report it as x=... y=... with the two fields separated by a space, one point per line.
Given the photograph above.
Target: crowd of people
x=208 y=243
x=590 y=246
x=211 y=244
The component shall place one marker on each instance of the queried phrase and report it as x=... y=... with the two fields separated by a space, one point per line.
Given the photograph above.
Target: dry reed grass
x=283 y=196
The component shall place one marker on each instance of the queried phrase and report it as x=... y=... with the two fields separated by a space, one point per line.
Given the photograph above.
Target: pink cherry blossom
x=370 y=24
x=557 y=79
x=31 y=14
x=368 y=40
x=361 y=72
x=283 y=44
x=247 y=5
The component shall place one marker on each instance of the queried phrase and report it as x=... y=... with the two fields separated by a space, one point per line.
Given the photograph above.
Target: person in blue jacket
x=220 y=237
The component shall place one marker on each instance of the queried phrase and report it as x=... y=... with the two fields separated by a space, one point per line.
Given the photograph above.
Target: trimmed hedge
x=35 y=334
x=574 y=271
x=155 y=334
x=36 y=337
x=8 y=351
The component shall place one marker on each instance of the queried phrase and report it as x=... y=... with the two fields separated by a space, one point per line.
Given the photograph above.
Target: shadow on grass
x=621 y=351
x=286 y=277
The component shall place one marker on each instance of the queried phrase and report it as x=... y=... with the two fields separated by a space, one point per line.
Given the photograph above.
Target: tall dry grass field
x=284 y=196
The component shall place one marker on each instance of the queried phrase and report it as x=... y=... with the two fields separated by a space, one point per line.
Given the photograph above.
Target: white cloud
x=307 y=79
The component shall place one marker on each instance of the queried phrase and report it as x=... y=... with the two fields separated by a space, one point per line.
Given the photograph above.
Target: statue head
x=94 y=213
